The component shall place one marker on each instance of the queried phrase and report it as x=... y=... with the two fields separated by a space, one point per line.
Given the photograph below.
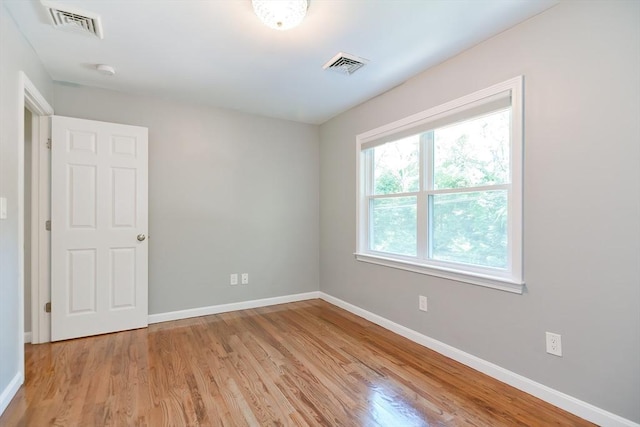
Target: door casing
x=32 y=100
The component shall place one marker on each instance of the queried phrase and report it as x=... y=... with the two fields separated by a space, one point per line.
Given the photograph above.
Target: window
x=440 y=192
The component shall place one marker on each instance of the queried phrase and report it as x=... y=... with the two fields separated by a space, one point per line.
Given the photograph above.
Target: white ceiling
x=218 y=53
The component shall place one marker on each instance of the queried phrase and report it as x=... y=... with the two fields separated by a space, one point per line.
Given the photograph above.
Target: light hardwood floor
x=305 y=363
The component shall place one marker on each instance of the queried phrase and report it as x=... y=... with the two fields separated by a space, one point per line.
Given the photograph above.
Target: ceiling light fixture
x=280 y=14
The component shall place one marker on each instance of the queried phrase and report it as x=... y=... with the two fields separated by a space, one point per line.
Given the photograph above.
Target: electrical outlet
x=422 y=303
x=3 y=208
x=245 y=278
x=233 y=279
x=554 y=344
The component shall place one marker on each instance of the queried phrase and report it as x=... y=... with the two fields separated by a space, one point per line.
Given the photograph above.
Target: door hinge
x=47 y=307
x=49 y=143
x=47 y=225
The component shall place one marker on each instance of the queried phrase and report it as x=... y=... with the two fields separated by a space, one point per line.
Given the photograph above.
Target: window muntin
x=440 y=192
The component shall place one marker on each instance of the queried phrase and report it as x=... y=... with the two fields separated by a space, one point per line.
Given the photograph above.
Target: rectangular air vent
x=67 y=17
x=345 y=63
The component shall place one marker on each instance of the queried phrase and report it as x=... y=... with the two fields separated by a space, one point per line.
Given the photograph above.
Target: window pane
x=393 y=225
x=472 y=153
x=396 y=166
x=470 y=228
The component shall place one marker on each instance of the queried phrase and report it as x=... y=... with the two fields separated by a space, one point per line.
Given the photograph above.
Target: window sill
x=494 y=282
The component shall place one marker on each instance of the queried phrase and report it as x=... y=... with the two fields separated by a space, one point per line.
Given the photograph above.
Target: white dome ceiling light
x=280 y=14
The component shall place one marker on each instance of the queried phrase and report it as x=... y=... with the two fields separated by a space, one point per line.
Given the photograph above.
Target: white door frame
x=32 y=100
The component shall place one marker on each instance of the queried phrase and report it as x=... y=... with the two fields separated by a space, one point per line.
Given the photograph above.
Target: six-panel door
x=99 y=223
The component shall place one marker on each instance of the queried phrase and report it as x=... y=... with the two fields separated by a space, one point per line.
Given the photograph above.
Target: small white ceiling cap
x=106 y=70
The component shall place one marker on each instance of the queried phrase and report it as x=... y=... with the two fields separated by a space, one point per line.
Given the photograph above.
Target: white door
x=99 y=224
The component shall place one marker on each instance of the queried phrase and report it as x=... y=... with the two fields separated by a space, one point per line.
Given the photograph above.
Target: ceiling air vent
x=67 y=17
x=345 y=63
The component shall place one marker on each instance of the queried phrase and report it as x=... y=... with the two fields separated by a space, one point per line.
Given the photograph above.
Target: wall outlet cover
x=3 y=208
x=554 y=343
x=422 y=303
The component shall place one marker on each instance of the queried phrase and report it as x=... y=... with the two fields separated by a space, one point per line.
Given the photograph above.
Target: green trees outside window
x=462 y=172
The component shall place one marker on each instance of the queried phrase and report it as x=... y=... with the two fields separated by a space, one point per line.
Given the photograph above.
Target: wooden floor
x=305 y=363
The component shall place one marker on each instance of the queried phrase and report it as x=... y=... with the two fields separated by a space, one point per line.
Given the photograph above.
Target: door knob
x=141 y=237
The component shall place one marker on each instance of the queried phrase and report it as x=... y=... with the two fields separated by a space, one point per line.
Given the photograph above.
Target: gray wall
x=228 y=193
x=581 y=62
x=15 y=55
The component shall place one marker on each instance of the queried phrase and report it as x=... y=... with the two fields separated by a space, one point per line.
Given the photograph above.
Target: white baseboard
x=223 y=308
x=27 y=337
x=10 y=390
x=561 y=400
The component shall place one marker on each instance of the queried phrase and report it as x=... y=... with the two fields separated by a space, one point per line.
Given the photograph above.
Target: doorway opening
x=33 y=129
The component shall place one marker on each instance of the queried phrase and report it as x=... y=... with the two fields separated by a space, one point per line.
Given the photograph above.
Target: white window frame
x=510 y=279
